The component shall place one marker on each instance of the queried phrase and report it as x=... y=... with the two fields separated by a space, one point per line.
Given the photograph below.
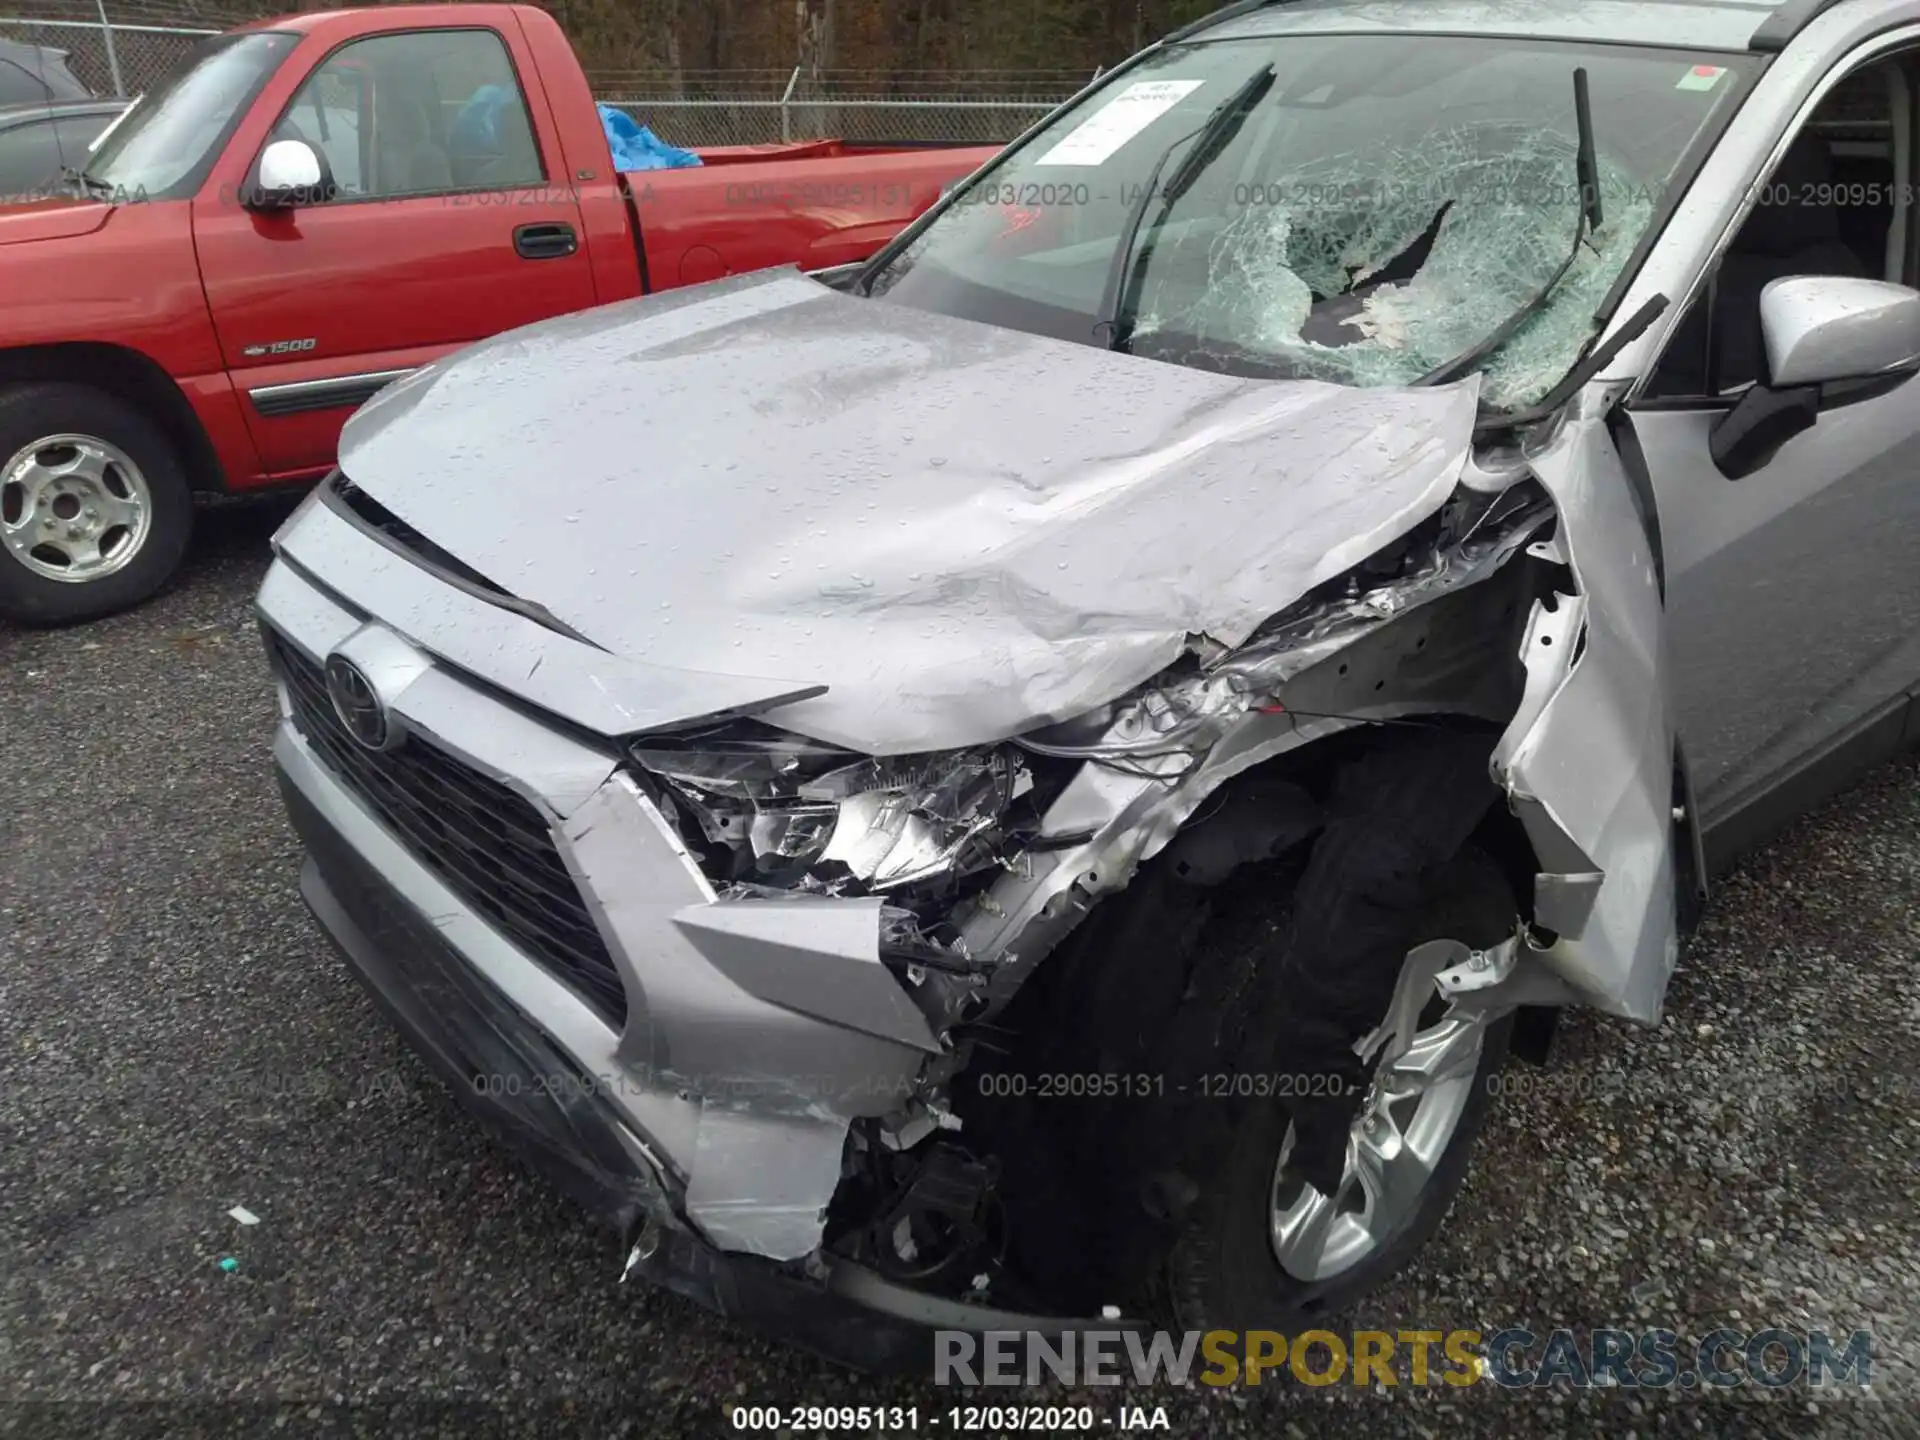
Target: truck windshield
x=162 y=148
x=1380 y=208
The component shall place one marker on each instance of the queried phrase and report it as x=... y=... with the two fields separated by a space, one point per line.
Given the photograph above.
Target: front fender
x=1588 y=760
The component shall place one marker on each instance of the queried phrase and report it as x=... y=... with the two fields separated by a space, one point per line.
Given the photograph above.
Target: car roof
x=1683 y=24
x=32 y=110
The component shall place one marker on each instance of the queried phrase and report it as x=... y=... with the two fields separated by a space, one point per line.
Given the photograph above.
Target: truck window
x=421 y=113
x=162 y=148
x=326 y=114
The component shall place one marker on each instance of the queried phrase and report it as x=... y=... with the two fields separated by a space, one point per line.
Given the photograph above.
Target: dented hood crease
x=961 y=530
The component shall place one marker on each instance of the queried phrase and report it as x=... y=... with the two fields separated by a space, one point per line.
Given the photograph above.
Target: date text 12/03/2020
x=956 y=1419
x=1222 y=1085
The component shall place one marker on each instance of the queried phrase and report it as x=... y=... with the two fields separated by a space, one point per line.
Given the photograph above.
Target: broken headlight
x=778 y=809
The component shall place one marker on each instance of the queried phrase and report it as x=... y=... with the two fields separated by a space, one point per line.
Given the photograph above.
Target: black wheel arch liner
x=135 y=377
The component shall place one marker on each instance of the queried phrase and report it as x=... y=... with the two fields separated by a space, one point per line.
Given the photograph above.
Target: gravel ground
x=176 y=1039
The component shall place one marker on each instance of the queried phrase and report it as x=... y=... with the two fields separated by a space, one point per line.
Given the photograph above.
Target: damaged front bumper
x=699 y=1100
x=739 y=1056
x=711 y=1064
x=524 y=1087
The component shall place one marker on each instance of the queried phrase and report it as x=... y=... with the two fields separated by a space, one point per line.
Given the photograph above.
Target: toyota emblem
x=359 y=708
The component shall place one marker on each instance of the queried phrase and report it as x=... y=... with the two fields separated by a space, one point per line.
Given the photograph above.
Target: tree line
x=893 y=40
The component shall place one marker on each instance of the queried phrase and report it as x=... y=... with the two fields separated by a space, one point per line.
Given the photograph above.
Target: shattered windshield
x=1383 y=207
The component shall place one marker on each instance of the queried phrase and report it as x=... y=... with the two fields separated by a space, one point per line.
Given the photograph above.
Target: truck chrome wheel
x=73 y=508
x=1422 y=1081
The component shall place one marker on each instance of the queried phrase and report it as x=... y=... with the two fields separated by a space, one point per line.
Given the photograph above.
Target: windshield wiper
x=1586 y=170
x=1215 y=133
x=91 y=184
x=1631 y=329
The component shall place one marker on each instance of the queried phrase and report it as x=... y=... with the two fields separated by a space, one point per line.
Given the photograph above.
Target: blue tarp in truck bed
x=635 y=147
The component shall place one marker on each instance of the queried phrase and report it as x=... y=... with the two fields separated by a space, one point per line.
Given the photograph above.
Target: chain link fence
x=108 y=59
x=751 y=120
x=691 y=108
x=759 y=108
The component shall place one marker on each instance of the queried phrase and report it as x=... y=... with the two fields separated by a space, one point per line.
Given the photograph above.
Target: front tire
x=1207 y=1001
x=1263 y=1249
x=95 y=508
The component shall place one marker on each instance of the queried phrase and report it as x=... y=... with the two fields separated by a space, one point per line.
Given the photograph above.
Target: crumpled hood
x=961 y=530
x=54 y=218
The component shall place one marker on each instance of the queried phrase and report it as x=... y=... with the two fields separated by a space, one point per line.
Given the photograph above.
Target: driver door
x=449 y=226
x=1793 y=595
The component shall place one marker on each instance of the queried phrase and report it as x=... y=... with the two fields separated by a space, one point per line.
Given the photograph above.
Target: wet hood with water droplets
x=961 y=530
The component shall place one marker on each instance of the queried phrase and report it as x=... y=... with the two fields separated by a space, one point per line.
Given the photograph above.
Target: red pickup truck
x=306 y=209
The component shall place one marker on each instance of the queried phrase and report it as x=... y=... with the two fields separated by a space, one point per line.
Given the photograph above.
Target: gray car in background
x=40 y=143
x=1042 y=777
x=37 y=75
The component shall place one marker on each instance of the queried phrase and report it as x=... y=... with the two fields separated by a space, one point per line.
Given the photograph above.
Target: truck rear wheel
x=95 y=510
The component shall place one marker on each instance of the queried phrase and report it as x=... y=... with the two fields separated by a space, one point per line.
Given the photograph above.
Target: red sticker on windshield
x=1701 y=77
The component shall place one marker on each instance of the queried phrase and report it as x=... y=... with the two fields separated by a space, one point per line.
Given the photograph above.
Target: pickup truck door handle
x=544 y=242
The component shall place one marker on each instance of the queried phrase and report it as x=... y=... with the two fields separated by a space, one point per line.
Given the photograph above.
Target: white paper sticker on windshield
x=1096 y=138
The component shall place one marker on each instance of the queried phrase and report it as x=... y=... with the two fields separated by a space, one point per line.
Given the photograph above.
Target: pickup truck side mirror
x=1830 y=340
x=290 y=173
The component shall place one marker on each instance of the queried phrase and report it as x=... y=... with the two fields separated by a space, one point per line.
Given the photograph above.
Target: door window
x=1834 y=205
x=424 y=113
x=28 y=161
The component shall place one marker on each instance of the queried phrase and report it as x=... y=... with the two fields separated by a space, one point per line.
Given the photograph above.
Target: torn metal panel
x=990 y=566
x=1588 y=761
x=761 y=1184
x=703 y=1019
x=1415 y=643
x=815 y=955
x=776 y=1017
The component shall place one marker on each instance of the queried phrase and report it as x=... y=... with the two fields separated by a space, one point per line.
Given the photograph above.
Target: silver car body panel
x=744 y=1098
x=1766 y=674
x=1015 y=555
x=1009 y=564
x=758 y=1029
x=1689 y=24
x=1588 y=760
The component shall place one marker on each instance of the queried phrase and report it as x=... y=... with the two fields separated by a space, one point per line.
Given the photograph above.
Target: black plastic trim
x=468 y=1031
x=367 y=515
x=1757 y=815
x=463 y=1027
x=1633 y=459
x=345 y=392
x=481 y=838
x=1788 y=21
x=633 y=229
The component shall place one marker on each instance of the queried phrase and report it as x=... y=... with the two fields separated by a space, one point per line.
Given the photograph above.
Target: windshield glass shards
x=1386 y=206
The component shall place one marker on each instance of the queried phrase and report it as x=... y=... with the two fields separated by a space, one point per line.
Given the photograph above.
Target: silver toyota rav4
x=1041 y=777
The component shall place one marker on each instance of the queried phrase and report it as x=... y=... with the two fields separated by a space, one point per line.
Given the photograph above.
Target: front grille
x=488 y=844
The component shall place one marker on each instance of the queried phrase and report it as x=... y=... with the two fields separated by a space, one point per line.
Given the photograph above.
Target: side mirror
x=290 y=173
x=1830 y=340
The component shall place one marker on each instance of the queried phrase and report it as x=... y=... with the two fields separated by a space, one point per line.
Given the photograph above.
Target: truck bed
x=748 y=207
